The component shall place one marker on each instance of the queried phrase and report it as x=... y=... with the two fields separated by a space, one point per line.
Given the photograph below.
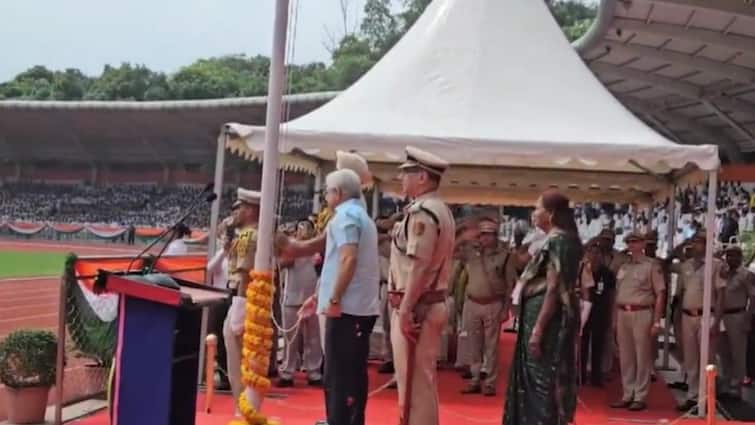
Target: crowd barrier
x=65 y=231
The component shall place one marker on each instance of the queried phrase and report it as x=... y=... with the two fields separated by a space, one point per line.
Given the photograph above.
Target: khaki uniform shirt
x=241 y=259
x=739 y=289
x=639 y=281
x=690 y=283
x=423 y=245
x=491 y=273
x=615 y=260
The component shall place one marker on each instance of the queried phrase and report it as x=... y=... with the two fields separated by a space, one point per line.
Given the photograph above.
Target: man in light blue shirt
x=347 y=297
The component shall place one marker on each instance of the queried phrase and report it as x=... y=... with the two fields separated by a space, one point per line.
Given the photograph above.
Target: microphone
x=211 y=197
x=208 y=187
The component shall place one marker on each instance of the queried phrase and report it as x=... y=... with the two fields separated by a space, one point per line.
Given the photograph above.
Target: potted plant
x=27 y=368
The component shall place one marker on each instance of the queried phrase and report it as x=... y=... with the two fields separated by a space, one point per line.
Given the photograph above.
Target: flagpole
x=266 y=227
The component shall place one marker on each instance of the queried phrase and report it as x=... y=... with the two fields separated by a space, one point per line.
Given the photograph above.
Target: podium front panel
x=143 y=362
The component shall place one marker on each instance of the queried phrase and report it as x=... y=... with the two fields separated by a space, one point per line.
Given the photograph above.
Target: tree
x=351 y=60
x=574 y=17
x=126 y=82
x=352 y=54
x=379 y=27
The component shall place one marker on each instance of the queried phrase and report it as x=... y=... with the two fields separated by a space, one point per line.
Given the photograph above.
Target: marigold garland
x=256 y=345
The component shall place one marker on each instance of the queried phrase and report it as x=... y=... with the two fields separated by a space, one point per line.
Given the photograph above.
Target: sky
x=161 y=34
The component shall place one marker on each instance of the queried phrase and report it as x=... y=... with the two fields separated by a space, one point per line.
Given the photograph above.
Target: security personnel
x=614 y=259
x=640 y=300
x=492 y=275
x=732 y=348
x=421 y=257
x=689 y=289
x=240 y=263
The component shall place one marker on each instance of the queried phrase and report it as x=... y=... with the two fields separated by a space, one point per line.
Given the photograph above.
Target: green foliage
x=93 y=338
x=28 y=359
x=573 y=17
x=241 y=75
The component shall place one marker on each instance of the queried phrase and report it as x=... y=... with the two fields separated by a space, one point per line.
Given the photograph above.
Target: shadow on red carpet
x=303 y=405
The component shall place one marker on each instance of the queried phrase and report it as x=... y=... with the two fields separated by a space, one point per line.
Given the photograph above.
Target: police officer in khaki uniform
x=689 y=289
x=492 y=275
x=421 y=257
x=240 y=263
x=640 y=299
x=732 y=348
x=614 y=260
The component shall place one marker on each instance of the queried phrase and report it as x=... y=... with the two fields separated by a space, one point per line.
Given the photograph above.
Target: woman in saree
x=542 y=387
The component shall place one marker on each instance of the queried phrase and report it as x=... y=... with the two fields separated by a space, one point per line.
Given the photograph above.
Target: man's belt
x=633 y=307
x=484 y=300
x=735 y=310
x=428 y=298
x=693 y=312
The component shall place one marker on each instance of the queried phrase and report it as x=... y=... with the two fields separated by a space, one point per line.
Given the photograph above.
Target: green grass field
x=29 y=264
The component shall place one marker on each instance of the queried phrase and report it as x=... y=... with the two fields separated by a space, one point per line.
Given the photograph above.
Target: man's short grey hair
x=347 y=181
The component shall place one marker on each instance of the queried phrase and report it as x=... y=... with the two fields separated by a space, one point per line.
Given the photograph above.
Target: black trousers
x=347 y=347
x=594 y=340
x=751 y=350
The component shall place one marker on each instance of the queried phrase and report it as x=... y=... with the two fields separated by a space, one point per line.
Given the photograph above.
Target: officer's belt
x=484 y=300
x=633 y=307
x=428 y=298
x=735 y=310
x=697 y=312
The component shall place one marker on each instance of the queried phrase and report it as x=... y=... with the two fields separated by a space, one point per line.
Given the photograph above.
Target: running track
x=33 y=302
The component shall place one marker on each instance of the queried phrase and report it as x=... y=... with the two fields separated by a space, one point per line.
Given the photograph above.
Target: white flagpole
x=710 y=224
x=262 y=258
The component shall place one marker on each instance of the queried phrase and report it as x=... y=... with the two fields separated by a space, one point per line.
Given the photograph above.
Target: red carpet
x=304 y=406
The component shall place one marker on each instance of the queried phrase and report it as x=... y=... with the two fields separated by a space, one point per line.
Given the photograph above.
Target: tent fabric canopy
x=488 y=84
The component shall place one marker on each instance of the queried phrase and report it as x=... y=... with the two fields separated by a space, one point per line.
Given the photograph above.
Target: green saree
x=543 y=391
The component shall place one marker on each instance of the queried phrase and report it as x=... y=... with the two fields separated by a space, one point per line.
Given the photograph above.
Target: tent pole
x=266 y=227
x=708 y=289
x=318 y=188
x=375 y=200
x=215 y=209
x=670 y=224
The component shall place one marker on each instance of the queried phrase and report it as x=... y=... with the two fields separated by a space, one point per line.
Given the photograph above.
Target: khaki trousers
x=305 y=349
x=480 y=335
x=732 y=351
x=424 y=397
x=691 y=332
x=635 y=352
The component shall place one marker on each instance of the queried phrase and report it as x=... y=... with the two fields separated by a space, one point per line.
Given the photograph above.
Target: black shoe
x=682 y=386
x=386 y=368
x=223 y=386
x=621 y=404
x=472 y=389
x=687 y=406
x=284 y=383
x=653 y=378
x=314 y=382
x=466 y=374
x=488 y=391
x=637 y=406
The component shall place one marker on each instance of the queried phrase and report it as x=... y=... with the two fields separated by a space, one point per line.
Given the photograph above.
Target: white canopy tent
x=494 y=88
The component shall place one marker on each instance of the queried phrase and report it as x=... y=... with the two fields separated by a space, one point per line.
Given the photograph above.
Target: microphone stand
x=172 y=229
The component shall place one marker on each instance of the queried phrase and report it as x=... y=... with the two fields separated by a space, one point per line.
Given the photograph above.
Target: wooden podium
x=157 y=349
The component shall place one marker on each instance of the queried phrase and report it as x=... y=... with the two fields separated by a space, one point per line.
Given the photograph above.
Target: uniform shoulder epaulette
x=427 y=207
